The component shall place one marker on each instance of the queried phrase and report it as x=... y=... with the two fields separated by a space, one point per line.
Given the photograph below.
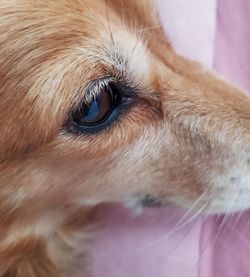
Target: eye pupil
x=98 y=110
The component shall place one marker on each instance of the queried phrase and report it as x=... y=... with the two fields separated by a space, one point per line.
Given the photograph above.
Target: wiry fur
x=187 y=137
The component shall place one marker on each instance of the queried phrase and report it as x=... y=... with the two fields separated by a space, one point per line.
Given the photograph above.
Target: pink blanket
x=170 y=242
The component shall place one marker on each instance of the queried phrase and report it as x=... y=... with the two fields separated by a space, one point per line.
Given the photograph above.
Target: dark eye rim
x=124 y=95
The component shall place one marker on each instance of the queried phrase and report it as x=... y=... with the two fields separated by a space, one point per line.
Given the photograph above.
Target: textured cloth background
x=157 y=243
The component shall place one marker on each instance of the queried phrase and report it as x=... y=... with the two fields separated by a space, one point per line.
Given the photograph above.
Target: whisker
x=247 y=226
x=150 y=28
x=213 y=239
x=230 y=207
x=188 y=221
x=180 y=223
x=180 y=241
x=109 y=27
x=232 y=227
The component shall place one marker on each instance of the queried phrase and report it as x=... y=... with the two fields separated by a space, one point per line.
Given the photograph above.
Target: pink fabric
x=190 y=25
x=167 y=242
x=150 y=245
x=232 y=47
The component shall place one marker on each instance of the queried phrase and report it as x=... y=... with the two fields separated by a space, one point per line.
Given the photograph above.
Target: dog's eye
x=98 y=110
x=102 y=105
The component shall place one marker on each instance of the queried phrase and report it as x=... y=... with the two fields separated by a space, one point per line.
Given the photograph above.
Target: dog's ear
x=137 y=13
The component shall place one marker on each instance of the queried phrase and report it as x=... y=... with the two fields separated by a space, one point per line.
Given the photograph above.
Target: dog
x=97 y=107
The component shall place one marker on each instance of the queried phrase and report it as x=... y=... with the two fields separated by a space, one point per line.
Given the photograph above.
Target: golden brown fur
x=183 y=139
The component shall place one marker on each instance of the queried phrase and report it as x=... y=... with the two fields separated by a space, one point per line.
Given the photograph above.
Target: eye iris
x=98 y=110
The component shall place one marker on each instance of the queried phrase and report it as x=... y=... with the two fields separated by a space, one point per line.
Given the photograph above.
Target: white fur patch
x=124 y=53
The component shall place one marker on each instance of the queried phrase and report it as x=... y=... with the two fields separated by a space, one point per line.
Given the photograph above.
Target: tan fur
x=182 y=141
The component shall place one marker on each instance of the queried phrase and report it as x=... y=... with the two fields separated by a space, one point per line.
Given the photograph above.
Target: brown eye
x=97 y=110
x=104 y=103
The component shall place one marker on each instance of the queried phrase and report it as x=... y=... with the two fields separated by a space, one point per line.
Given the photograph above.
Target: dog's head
x=95 y=106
